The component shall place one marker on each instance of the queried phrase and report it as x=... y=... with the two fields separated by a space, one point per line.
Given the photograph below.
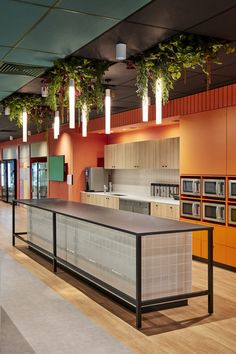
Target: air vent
x=8 y=130
x=17 y=69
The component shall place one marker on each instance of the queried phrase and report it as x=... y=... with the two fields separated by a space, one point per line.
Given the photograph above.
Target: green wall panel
x=56 y=168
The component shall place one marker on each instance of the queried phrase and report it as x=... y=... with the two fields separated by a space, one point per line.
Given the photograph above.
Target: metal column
x=54 y=230
x=210 y=271
x=138 y=282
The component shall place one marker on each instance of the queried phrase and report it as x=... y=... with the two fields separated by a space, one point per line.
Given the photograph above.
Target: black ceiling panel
x=180 y=14
x=220 y=26
x=137 y=37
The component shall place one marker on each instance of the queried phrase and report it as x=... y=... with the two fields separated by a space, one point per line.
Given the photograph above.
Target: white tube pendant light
x=120 y=51
x=108 y=111
x=158 y=101
x=72 y=104
x=24 y=125
x=56 y=125
x=55 y=136
x=84 y=120
x=145 y=106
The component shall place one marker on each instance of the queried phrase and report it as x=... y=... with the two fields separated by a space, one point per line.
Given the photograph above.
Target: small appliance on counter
x=165 y=190
x=95 y=179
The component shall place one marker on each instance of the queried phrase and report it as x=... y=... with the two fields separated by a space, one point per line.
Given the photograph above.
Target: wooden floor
x=182 y=330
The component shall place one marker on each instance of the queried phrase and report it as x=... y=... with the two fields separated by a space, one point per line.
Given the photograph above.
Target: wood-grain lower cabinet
x=163 y=210
x=99 y=200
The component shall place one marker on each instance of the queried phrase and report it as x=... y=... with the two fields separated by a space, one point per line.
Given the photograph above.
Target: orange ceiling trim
x=200 y=102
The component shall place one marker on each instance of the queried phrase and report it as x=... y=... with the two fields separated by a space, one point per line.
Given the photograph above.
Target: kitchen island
x=145 y=262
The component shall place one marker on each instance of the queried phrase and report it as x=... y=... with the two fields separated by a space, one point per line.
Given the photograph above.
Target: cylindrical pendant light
x=108 y=111
x=84 y=120
x=24 y=123
x=120 y=51
x=7 y=111
x=55 y=136
x=57 y=123
x=158 y=101
x=145 y=106
x=72 y=104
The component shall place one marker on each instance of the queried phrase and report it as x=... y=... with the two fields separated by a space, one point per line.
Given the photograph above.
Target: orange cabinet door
x=196 y=244
x=231 y=237
x=231 y=256
x=231 y=141
x=203 y=143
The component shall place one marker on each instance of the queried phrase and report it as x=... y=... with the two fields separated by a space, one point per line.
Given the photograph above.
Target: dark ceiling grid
x=155 y=22
x=24 y=53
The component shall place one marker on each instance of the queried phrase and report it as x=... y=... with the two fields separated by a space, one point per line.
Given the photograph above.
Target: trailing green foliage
x=169 y=59
x=38 y=112
x=87 y=74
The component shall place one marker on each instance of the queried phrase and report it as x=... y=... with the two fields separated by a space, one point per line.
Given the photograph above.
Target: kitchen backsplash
x=139 y=181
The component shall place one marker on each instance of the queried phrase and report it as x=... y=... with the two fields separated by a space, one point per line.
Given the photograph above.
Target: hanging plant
x=171 y=58
x=87 y=74
x=39 y=114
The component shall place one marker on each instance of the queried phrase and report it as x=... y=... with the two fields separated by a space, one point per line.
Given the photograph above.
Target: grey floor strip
x=11 y=340
x=44 y=322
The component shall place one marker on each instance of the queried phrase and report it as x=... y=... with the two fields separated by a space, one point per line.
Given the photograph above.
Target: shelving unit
x=224 y=242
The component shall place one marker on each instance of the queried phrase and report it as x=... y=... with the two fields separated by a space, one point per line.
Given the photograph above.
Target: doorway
x=8 y=180
x=39 y=179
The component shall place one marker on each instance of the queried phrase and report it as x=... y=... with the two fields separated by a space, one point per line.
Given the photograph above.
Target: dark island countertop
x=133 y=223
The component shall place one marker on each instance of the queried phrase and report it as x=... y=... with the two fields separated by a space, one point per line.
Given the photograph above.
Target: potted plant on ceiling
x=170 y=59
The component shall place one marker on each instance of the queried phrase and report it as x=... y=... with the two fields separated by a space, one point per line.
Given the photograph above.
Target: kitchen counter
x=141 y=260
x=138 y=197
x=129 y=222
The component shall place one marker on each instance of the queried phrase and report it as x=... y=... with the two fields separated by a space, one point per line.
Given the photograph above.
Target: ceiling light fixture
x=158 y=101
x=44 y=91
x=108 y=111
x=24 y=123
x=56 y=124
x=145 y=107
x=84 y=120
x=72 y=104
x=7 y=111
x=120 y=51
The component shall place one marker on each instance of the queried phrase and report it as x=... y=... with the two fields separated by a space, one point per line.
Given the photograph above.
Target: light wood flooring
x=182 y=330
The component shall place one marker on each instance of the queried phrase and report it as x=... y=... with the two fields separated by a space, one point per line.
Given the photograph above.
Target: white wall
x=138 y=181
x=39 y=149
x=10 y=153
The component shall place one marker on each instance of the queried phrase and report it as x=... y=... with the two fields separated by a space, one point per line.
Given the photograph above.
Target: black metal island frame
x=142 y=261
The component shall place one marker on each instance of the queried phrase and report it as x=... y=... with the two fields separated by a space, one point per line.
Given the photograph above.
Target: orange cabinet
x=231 y=141
x=231 y=237
x=203 y=143
x=197 y=244
x=231 y=256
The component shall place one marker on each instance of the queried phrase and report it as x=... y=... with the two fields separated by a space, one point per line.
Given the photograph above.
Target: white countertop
x=139 y=197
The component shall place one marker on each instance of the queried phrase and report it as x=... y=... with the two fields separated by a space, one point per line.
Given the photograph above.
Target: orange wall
x=150 y=133
x=79 y=153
